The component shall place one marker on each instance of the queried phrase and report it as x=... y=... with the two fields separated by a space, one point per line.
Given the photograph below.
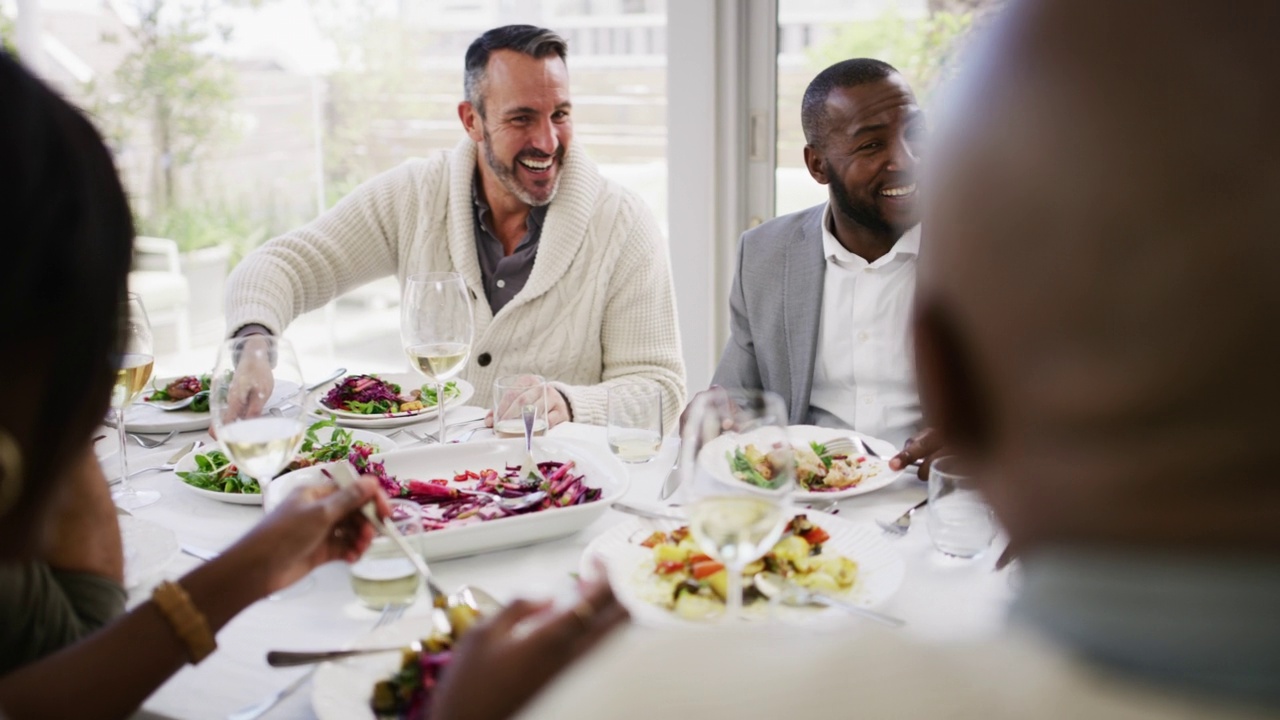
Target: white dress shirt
x=864 y=374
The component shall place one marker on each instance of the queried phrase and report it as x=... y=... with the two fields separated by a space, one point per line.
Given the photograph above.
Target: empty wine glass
x=134 y=365
x=739 y=472
x=436 y=328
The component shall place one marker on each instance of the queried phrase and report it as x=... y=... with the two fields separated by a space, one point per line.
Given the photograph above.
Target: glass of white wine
x=255 y=400
x=511 y=395
x=436 y=328
x=736 y=520
x=635 y=421
x=134 y=365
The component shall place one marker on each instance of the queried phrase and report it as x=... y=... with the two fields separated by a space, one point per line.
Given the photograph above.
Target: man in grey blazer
x=821 y=300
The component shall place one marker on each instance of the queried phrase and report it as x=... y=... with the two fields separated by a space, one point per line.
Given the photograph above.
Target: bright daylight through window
x=235 y=121
x=919 y=37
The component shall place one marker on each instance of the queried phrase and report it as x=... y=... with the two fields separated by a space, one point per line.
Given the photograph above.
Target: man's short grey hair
x=533 y=41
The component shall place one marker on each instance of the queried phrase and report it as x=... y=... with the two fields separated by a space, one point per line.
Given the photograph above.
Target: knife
x=672 y=483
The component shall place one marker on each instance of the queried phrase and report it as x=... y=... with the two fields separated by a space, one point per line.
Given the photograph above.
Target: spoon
x=176 y=404
x=482 y=602
x=529 y=468
x=149 y=443
x=788 y=593
x=513 y=504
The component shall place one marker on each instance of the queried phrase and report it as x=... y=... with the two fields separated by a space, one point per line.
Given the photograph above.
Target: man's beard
x=864 y=214
x=506 y=174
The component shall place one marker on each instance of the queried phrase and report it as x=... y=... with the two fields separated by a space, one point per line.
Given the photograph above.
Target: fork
x=390 y=614
x=150 y=442
x=903 y=523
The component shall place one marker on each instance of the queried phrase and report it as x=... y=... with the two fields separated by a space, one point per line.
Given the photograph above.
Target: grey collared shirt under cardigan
x=504 y=275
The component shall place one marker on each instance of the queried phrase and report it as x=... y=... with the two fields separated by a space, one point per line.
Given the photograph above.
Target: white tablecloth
x=940 y=598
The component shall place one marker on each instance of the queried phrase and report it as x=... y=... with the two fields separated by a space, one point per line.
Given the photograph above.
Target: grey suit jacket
x=775 y=308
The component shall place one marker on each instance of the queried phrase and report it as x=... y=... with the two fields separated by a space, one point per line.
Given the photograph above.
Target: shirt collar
x=907 y=247
x=537 y=214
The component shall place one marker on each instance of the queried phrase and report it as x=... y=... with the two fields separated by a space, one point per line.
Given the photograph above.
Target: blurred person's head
x=862 y=130
x=67 y=236
x=1098 y=291
x=517 y=109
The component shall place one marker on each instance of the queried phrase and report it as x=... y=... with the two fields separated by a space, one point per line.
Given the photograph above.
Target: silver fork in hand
x=903 y=523
x=390 y=614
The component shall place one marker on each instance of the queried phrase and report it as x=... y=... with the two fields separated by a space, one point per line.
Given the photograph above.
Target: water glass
x=383 y=575
x=511 y=395
x=635 y=421
x=961 y=523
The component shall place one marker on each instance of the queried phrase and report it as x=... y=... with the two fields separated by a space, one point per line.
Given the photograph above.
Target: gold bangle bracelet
x=189 y=624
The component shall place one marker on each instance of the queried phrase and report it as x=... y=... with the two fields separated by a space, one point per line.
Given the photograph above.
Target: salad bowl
x=599 y=469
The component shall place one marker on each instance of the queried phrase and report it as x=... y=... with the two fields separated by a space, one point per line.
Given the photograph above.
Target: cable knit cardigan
x=598 y=308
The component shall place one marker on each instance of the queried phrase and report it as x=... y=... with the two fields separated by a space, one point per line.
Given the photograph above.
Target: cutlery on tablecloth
x=390 y=614
x=772 y=585
x=150 y=442
x=903 y=523
x=478 y=600
x=198 y=552
x=644 y=513
x=168 y=465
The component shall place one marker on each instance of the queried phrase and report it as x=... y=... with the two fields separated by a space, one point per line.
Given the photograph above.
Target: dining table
x=942 y=599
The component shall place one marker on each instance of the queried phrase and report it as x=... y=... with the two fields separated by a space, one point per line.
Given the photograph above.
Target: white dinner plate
x=148 y=548
x=406 y=381
x=600 y=468
x=630 y=565
x=188 y=464
x=712 y=459
x=143 y=417
x=342 y=690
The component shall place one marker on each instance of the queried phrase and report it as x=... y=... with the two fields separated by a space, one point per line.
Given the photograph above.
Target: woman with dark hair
x=67 y=239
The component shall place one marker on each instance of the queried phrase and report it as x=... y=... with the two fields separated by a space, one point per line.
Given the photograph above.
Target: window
x=257 y=135
x=915 y=36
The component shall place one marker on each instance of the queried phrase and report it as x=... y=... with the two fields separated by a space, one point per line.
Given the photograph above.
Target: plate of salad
x=820 y=474
x=210 y=473
x=582 y=480
x=386 y=400
x=663 y=577
x=143 y=417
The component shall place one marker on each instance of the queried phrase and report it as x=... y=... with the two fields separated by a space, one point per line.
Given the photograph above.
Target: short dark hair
x=67 y=240
x=844 y=74
x=529 y=40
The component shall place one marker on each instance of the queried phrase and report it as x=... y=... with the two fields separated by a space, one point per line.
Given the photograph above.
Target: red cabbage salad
x=371 y=395
x=444 y=506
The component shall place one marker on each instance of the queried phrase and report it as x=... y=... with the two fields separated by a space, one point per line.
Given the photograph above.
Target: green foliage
x=923 y=49
x=166 y=83
x=207 y=225
x=8 y=35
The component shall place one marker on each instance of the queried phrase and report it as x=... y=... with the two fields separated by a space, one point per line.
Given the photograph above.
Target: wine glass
x=436 y=327
x=134 y=365
x=736 y=512
x=255 y=403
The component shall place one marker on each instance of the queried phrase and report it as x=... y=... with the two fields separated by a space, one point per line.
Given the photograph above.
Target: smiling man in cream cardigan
x=568 y=271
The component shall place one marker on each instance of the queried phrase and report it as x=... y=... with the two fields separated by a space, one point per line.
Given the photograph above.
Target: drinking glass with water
x=961 y=523
x=635 y=421
x=383 y=575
